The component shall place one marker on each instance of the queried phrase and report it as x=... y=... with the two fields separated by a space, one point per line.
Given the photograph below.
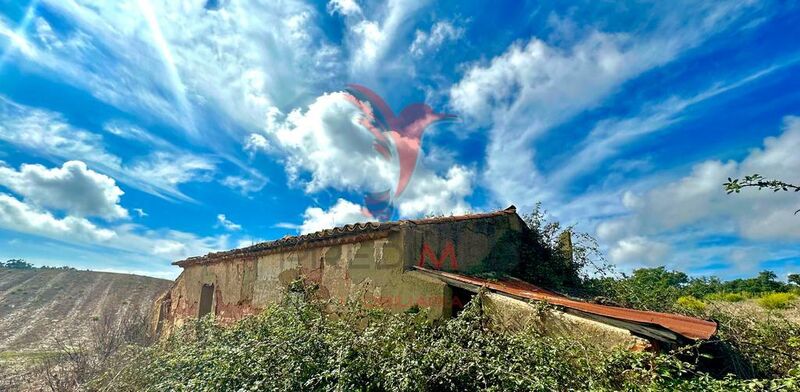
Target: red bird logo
x=399 y=136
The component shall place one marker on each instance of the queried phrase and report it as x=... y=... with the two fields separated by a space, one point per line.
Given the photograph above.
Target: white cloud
x=18 y=216
x=134 y=133
x=430 y=42
x=140 y=212
x=165 y=170
x=327 y=143
x=72 y=188
x=243 y=185
x=49 y=135
x=226 y=223
x=133 y=242
x=609 y=135
x=675 y=211
x=344 y=7
x=370 y=39
x=287 y=225
x=639 y=250
x=534 y=86
x=430 y=194
x=255 y=143
x=237 y=60
x=341 y=213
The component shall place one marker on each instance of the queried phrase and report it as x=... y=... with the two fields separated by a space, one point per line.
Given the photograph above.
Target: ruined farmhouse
x=430 y=263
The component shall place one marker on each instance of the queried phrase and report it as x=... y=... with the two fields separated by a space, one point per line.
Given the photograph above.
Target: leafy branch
x=758 y=181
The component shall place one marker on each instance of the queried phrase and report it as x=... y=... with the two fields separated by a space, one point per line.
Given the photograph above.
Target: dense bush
x=299 y=346
x=774 y=301
x=727 y=297
x=16 y=264
x=691 y=304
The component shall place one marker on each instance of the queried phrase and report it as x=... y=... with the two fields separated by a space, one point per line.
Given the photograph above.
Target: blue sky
x=135 y=133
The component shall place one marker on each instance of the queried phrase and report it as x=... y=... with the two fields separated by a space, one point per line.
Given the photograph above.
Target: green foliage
x=727 y=297
x=776 y=301
x=690 y=304
x=659 y=289
x=298 y=345
x=16 y=264
x=794 y=278
x=769 y=345
x=555 y=256
x=647 y=288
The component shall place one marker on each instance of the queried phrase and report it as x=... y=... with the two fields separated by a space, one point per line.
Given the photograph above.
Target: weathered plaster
x=513 y=314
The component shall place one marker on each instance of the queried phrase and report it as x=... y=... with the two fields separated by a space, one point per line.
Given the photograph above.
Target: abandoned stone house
x=430 y=263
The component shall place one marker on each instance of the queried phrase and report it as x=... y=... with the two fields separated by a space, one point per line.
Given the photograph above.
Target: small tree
x=17 y=264
x=794 y=278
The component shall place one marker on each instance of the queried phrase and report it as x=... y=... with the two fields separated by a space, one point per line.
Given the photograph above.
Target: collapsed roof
x=664 y=327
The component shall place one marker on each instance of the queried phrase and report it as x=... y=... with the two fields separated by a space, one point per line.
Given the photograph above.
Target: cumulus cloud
x=227 y=224
x=72 y=188
x=676 y=210
x=133 y=242
x=18 y=216
x=326 y=147
x=341 y=213
x=441 y=32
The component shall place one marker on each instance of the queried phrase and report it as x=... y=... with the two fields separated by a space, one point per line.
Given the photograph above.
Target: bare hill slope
x=39 y=305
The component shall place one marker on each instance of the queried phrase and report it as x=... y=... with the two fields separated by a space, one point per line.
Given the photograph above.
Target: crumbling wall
x=513 y=314
x=371 y=271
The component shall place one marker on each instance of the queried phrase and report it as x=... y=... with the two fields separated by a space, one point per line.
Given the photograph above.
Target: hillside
x=40 y=305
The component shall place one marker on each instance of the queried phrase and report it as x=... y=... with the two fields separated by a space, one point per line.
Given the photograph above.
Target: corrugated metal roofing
x=689 y=327
x=344 y=234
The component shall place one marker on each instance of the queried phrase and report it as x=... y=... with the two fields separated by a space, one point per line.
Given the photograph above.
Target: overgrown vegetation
x=298 y=345
x=556 y=256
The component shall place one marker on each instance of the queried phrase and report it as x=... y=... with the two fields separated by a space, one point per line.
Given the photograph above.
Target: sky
x=137 y=133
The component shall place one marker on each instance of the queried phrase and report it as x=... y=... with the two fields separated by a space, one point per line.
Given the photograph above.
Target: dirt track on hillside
x=37 y=306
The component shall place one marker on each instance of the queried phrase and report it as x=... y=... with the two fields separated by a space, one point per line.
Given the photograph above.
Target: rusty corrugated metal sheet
x=356 y=232
x=689 y=327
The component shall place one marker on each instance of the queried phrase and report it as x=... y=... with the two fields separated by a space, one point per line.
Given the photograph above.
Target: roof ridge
x=368 y=227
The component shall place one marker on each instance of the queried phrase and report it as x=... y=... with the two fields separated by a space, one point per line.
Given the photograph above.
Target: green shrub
x=776 y=301
x=692 y=304
x=300 y=346
x=727 y=297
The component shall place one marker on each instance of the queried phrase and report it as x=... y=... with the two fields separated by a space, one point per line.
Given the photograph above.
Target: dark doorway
x=461 y=298
x=206 y=299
